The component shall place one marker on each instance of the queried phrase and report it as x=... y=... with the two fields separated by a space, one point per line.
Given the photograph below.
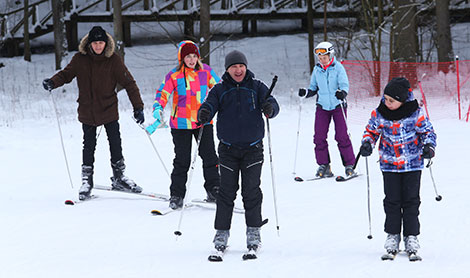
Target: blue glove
x=158 y=112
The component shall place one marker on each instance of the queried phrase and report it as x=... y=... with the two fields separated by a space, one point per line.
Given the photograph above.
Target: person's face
x=324 y=59
x=190 y=60
x=392 y=103
x=98 y=47
x=237 y=72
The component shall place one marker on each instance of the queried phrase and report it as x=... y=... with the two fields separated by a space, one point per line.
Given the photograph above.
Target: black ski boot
x=176 y=202
x=324 y=171
x=212 y=194
x=120 y=182
x=87 y=182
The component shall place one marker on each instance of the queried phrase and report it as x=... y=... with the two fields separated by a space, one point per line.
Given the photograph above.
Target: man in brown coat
x=98 y=70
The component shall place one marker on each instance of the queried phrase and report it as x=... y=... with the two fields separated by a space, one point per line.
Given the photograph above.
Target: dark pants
x=182 y=140
x=89 y=142
x=401 y=203
x=248 y=162
x=322 y=125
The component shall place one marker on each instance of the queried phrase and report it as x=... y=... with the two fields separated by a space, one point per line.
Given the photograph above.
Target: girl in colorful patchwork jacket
x=406 y=138
x=189 y=83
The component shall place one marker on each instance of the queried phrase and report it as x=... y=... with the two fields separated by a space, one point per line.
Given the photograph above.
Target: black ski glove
x=203 y=115
x=428 y=151
x=268 y=109
x=366 y=149
x=139 y=115
x=307 y=93
x=341 y=94
x=48 y=84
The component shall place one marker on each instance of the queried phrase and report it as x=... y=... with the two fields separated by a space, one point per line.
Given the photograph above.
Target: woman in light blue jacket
x=330 y=83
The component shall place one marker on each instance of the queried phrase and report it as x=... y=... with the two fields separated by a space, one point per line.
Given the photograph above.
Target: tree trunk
x=59 y=32
x=27 y=47
x=444 y=40
x=405 y=46
x=205 y=32
x=404 y=40
x=118 y=30
x=311 y=57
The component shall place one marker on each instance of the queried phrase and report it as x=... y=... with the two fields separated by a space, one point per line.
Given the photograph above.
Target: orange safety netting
x=434 y=85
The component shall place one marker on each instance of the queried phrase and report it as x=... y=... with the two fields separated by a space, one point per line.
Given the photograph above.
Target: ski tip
x=178 y=233
x=265 y=221
x=69 y=202
x=298 y=179
x=340 y=178
x=156 y=212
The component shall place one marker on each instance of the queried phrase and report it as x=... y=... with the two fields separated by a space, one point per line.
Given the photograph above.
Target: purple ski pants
x=322 y=124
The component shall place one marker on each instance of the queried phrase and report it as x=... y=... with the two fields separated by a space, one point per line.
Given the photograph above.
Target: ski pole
x=155 y=149
x=438 y=197
x=368 y=199
x=297 y=140
x=345 y=118
x=61 y=138
x=271 y=156
x=188 y=182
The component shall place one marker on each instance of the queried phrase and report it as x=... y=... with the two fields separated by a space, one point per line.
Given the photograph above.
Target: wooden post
x=118 y=24
x=205 y=30
x=311 y=57
x=325 y=36
x=245 y=26
x=59 y=31
x=126 y=26
x=71 y=28
x=27 y=46
x=146 y=5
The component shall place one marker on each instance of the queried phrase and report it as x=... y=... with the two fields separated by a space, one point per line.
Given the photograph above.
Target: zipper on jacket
x=174 y=114
x=226 y=167
x=253 y=100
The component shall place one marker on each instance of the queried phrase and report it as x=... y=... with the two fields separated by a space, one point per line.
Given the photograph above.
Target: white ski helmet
x=324 y=48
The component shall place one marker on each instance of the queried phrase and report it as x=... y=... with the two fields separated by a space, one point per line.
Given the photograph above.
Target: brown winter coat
x=97 y=77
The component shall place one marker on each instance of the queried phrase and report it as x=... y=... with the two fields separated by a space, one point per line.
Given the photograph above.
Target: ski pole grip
x=272 y=86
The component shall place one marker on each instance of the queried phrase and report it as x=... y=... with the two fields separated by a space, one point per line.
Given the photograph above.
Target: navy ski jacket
x=239 y=120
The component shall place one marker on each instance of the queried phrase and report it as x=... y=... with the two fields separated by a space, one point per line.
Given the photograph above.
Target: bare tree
x=205 y=31
x=444 y=39
x=311 y=57
x=374 y=29
x=118 y=30
x=60 y=45
x=27 y=47
x=404 y=40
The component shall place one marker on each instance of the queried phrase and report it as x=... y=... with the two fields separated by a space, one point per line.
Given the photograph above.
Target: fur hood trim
x=108 y=51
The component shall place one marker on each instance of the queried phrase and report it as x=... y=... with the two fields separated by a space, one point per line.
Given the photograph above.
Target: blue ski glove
x=268 y=109
x=158 y=112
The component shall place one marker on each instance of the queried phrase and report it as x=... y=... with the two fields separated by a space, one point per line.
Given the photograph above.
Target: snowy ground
x=323 y=224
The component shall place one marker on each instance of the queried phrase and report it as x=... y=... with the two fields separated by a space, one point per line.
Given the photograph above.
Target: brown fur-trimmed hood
x=83 y=47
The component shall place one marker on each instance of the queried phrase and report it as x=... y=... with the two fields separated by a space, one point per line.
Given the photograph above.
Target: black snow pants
x=401 y=203
x=248 y=162
x=89 y=142
x=182 y=140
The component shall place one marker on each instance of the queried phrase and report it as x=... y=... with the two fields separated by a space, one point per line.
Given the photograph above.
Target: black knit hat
x=235 y=57
x=97 y=34
x=398 y=89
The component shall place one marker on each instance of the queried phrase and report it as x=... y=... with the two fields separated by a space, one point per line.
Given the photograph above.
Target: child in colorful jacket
x=329 y=82
x=406 y=138
x=189 y=83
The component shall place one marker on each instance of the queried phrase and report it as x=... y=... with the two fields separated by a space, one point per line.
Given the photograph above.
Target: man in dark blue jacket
x=240 y=101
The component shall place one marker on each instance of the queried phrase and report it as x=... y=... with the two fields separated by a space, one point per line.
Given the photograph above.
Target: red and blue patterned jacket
x=401 y=141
